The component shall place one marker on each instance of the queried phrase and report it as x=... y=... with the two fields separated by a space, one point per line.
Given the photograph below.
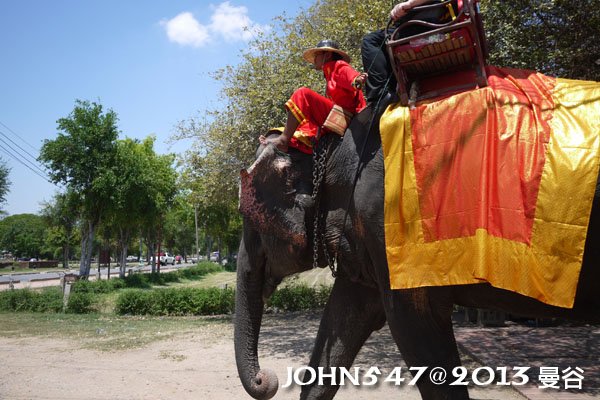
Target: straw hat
x=325 y=45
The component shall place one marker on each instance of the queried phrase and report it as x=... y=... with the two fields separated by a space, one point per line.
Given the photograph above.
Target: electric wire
x=32 y=161
x=6 y=146
x=19 y=137
x=21 y=157
x=16 y=158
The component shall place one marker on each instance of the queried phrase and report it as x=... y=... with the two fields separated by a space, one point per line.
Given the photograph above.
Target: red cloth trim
x=499 y=184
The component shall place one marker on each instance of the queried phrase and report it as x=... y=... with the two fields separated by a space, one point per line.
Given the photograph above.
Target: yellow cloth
x=541 y=258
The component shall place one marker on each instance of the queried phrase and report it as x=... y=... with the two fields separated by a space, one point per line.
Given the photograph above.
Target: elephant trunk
x=260 y=384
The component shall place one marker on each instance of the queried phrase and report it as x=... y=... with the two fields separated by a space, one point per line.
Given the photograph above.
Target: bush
x=101 y=286
x=300 y=296
x=45 y=300
x=81 y=303
x=137 y=281
x=230 y=266
x=200 y=270
x=176 y=301
x=50 y=300
x=134 y=302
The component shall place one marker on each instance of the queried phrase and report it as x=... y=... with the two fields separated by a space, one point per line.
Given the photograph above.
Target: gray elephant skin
x=278 y=241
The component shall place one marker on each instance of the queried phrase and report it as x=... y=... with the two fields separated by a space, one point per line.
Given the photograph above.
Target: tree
x=556 y=37
x=23 y=235
x=61 y=216
x=4 y=184
x=81 y=158
x=256 y=89
x=143 y=188
x=179 y=226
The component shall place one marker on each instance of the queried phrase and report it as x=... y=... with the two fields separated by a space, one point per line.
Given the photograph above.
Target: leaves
x=83 y=153
x=23 y=235
x=4 y=183
x=556 y=37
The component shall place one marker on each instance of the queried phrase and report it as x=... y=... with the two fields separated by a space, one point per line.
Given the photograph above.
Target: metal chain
x=320 y=152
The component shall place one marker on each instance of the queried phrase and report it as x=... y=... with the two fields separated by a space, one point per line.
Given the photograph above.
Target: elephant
x=277 y=241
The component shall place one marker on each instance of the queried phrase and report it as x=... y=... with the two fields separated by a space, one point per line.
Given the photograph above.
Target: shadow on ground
x=291 y=335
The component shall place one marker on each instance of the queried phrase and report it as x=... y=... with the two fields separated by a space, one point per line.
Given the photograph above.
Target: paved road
x=53 y=278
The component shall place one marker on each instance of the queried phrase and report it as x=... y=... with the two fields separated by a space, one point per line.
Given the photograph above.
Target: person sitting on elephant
x=308 y=110
x=380 y=79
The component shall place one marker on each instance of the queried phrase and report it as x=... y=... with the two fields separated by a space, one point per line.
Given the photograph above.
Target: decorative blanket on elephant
x=493 y=185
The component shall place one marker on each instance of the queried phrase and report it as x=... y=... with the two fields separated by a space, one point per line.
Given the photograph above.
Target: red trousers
x=306 y=104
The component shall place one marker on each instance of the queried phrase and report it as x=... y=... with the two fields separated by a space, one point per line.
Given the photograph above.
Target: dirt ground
x=191 y=366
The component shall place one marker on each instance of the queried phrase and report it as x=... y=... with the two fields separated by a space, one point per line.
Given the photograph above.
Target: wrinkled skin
x=277 y=242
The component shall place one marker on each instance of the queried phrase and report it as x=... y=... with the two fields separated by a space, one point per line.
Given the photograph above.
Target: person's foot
x=278 y=141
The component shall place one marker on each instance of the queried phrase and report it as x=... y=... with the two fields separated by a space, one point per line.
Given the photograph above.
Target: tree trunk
x=123 y=246
x=87 y=244
x=150 y=257
x=65 y=256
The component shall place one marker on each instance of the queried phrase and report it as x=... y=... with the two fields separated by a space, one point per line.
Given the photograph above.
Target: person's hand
x=401 y=9
x=360 y=80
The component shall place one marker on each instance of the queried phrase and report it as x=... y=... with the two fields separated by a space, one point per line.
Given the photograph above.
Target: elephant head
x=276 y=203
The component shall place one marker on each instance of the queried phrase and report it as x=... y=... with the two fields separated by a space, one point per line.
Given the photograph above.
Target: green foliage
x=83 y=151
x=257 y=88
x=230 y=266
x=145 y=281
x=26 y=300
x=4 y=183
x=81 y=158
x=23 y=235
x=555 y=37
x=137 y=281
x=61 y=216
x=200 y=270
x=143 y=186
x=179 y=229
x=300 y=296
x=81 y=303
x=184 y=301
x=101 y=286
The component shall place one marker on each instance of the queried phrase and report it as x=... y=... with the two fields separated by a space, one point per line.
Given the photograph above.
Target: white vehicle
x=165 y=258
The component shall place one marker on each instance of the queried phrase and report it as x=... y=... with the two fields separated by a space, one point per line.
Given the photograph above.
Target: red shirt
x=339 y=76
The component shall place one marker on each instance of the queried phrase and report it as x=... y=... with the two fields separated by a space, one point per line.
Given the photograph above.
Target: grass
x=313 y=278
x=216 y=279
x=105 y=333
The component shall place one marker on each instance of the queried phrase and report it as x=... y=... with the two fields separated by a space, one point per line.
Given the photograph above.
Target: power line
x=21 y=157
x=16 y=144
x=7 y=152
x=19 y=137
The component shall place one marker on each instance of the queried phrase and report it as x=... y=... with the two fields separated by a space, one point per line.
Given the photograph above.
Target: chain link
x=320 y=153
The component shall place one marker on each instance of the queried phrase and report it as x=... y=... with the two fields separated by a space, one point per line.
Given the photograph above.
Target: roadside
x=191 y=365
x=39 y=279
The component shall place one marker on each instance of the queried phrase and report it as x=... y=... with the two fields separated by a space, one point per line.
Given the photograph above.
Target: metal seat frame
x=467 y=52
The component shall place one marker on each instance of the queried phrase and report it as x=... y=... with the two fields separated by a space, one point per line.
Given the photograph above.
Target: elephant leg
x=421 y=324
x=352 y=313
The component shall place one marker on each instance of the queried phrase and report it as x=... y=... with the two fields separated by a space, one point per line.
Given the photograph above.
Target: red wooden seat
x=444 y=48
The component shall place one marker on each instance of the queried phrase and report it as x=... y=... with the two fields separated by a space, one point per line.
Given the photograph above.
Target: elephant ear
x=275 y=194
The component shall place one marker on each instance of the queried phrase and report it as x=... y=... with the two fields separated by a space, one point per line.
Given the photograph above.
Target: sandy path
x=191 y=366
